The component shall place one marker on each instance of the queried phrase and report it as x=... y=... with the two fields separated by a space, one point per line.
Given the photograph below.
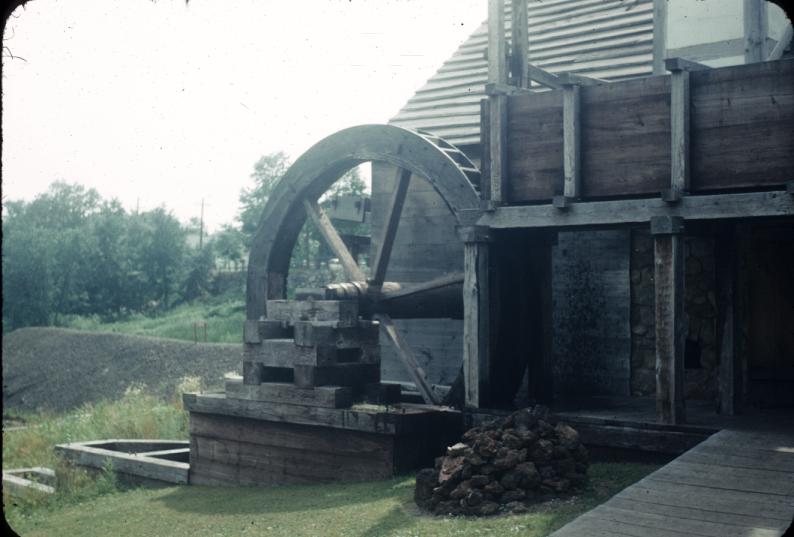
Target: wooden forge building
x=585 y=210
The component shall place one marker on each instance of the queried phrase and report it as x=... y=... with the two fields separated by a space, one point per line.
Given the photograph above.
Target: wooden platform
x=736 y=483
x=248 y=442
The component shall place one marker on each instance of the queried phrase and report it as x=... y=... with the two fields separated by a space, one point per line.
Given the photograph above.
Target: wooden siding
x=742 y=134
x=742 y=125
x=611 y=39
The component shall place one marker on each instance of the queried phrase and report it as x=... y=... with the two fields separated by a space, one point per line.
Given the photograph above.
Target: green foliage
x=224 y=317
x=68 y=252
x=267 y=172
x=135 y=416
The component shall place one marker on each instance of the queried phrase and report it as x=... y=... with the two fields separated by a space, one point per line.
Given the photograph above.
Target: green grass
x=380 y=508
x=224 y=319
x=136 y=415
x=98 y=507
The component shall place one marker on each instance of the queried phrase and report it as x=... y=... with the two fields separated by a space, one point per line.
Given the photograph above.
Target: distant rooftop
x=611 y=39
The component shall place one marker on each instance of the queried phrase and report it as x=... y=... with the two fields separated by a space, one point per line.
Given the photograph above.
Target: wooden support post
x=754 y=35
x=670 y=319
x=497 y=74
x=730 y=372
x=476 y=315
x=679 y=126
x=571 y=141
x=679 y=135
x=659 y=35
x=519 y=59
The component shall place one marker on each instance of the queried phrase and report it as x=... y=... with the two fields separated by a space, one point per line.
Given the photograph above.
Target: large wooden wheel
x=295 y=198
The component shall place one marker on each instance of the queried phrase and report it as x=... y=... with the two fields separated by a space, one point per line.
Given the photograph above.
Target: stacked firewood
x=505 y=465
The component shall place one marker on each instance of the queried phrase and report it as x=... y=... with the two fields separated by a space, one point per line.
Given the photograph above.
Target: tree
x=267 y=172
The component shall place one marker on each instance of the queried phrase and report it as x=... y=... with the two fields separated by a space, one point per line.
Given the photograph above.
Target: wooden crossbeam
x=409 y=360
x=335 y=242
x=541 y=76
x=391 y=221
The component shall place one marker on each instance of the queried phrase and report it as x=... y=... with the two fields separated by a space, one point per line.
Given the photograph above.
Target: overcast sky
x=159 y=103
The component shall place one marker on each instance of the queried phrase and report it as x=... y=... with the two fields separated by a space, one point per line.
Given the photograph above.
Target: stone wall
x=701 y=366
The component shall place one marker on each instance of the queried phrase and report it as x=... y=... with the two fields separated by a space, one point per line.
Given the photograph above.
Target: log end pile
x=505 y=465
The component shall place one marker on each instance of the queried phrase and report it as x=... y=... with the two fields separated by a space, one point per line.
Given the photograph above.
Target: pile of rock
x=504 y=466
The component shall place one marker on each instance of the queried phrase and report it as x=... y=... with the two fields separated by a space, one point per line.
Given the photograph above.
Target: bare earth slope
x=61 y=369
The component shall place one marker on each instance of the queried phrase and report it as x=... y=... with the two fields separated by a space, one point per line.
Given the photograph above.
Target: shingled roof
x=611 y=39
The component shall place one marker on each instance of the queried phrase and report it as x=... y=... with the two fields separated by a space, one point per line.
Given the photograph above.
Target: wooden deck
x=738 y=483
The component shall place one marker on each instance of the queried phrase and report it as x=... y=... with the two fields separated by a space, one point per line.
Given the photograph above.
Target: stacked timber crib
x=298 y=414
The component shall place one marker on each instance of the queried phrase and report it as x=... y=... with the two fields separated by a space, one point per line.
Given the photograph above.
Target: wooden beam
x=392 y=220
x=753 y=15
x=519 y=59
x=541 y=76
x=497 y=74
x=476 y=316
x=670 y=321
x=505 y=89
x=497 y=44
x=680 y=64
x=611 y=213
x=409 y=360
x=679 y=134
x=572 y=78
x=659 y=35
x=327 y=230
x=572 y=141
x=782 y=43
x=729 y=380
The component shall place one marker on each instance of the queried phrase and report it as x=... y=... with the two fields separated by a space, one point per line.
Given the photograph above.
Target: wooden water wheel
x=295 y=199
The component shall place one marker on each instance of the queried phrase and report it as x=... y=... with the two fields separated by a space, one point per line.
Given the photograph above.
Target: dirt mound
x=61 y=369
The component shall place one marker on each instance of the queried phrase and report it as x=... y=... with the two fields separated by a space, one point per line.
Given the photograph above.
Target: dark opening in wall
x=692 y=355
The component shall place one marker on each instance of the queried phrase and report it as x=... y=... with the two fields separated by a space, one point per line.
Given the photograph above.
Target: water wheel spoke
x=408 y=358
x=392 y=220
x=332 y=238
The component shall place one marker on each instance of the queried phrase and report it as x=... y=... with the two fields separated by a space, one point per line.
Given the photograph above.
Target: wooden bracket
x=493 y=88
x=680 y=64
x=474 y=233
x=671 y=196
x=572 y=79
x=562 y=203
x=667 y=225
x=543 y=77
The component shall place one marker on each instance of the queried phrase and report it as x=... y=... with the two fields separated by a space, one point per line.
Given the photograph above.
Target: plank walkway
x=734 y=484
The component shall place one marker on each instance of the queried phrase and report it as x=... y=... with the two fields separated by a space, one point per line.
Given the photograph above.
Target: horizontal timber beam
x=611 y=213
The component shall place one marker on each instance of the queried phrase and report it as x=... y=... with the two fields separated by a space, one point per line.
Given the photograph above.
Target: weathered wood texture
x=228 y=450
x=279 y=392
x=741 y=127
x=670 y=326
x=345 y=313
x=592 y=338
x=705 y=492
x=425 y=247
x=127 y=464
x=477 y=323
x=534 y=151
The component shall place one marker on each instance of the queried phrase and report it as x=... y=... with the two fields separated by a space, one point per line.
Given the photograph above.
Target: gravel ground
x=61 y=369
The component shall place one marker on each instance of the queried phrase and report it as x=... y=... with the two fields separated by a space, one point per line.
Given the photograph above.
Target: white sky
x=165 y=104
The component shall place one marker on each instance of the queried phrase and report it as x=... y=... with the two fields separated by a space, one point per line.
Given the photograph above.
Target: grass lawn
x=381 y=508
x=224 y=319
